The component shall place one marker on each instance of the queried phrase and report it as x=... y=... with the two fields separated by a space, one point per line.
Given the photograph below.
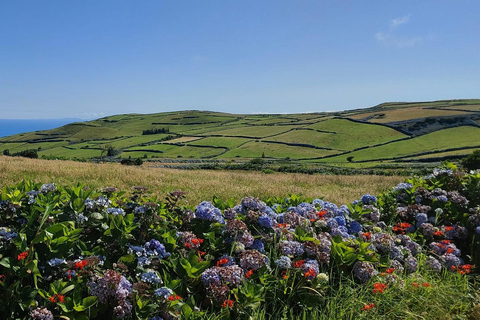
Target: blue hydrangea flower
x=291 y=248
x=284 y=262
x=210 y=277
x=207 y=211
x=154 y=247
x=442 y=198
x=266 y=221
x=164 y=292
x=151 y=277
x=55 y=262
x=402 y=186
x=332 y=223
x=318 y=202
x=116 y=211
x=477 y=230
x=340 y=220
x=258 y=245
x=369 y=199
x=7 y=235
x=421 y=217
x=354 y=227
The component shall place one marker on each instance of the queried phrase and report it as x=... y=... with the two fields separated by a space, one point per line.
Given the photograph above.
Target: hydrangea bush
x=81 y=253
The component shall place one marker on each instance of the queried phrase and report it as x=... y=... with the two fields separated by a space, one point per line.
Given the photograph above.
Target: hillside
x=387 y=133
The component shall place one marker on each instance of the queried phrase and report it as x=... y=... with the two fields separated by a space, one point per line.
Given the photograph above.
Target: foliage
x=472 y=161
x=80 y=253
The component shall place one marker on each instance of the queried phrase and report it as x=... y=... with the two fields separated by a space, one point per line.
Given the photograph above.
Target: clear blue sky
x=92 y=58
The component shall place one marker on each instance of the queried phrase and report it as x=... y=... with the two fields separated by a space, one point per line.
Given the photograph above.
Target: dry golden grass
x=199 y=185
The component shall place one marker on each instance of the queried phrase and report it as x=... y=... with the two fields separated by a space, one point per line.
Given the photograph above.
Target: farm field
x=395 y=132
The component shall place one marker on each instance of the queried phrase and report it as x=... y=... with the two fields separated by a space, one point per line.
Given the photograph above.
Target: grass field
x=435 y=141
x=199 y=185
x=226 y=136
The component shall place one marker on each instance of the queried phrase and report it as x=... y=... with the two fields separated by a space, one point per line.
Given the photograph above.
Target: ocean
x=13 y=126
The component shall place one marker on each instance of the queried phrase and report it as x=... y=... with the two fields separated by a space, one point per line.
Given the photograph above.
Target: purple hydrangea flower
x=266 y=221
x=284 y=262
x=369 y=199
x=164 y=292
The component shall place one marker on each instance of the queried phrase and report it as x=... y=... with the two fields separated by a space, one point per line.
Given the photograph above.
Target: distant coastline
x=14 y=126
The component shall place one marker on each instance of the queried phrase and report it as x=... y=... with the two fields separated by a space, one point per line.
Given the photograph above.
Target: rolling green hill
x=387 y=133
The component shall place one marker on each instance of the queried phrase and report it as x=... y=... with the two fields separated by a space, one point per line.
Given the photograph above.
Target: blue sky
x=90 y=58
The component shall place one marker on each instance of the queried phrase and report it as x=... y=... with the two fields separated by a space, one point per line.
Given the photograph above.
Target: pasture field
x=366 y=134
x=435 y=141
x=199 y=185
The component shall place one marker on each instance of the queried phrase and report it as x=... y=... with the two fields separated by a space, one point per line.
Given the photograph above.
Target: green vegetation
x=392 y=133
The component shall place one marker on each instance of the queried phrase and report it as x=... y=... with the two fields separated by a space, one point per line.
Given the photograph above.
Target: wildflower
x=174 y=297
x=368 y=306
x=379 y=287
x=249 y=274
x=22 y=255
x=80 y=264
x=227 y=304
x=415 y=284
x=310 y=274
x=426 y=284
x=323 y=277
x=222 y=262
x=390 y=270
x=298 y=264
x=439 y=233
x=321 y=214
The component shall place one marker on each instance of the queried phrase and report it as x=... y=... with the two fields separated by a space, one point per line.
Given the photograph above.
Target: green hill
x=388 y=133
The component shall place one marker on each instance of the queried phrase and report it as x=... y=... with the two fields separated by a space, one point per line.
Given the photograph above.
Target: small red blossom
x=401 y=227
x=310 y=273
x=22 y=255
x=57 y=298
x=439 y=234
x=321 y=214
x=390 y=270
x=201 y=253
x=80 y=264
x=227 y=303
x=188 y=245
x=449 y=228
x=282 y=225
x=174 y=297
x=299 y=263
x=415 y=284
x=249 y=274
x=446 y=241
x=221 y=262
x=284 y=274
x=368 y=306
x=379 y=287
x=367 y=235
x=426 y=284
x=449 y=250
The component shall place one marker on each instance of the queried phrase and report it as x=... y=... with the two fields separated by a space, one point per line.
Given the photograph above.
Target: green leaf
x=89 y=301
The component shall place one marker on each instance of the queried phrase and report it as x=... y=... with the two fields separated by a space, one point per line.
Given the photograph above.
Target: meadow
x=199 y=185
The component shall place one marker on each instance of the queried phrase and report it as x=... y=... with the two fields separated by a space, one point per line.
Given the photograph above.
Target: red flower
x=321 y=214
x=390 y=270
x=438 y=233
x=174 y=297
x=221 y=262
x=22 y=255
x=282 y=225
x=448 y=228
x=61 y=298
x=415 y=284
x=57 y=298
x=53 y=298
x=310 y=273
x=299 y=263
x=426 y=284
x=227 y=303
x=379 y=287
x=449 y=250
x=188 y=245
x=201 y=253
x=249 y=273
x=80 y=264
x=367 y=235
x=284 y=274
x=368 y=306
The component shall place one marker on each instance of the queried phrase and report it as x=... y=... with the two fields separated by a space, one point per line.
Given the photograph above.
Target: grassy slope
x=249 y=136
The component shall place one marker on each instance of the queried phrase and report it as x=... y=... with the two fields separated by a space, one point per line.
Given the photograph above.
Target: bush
x=472 y=161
